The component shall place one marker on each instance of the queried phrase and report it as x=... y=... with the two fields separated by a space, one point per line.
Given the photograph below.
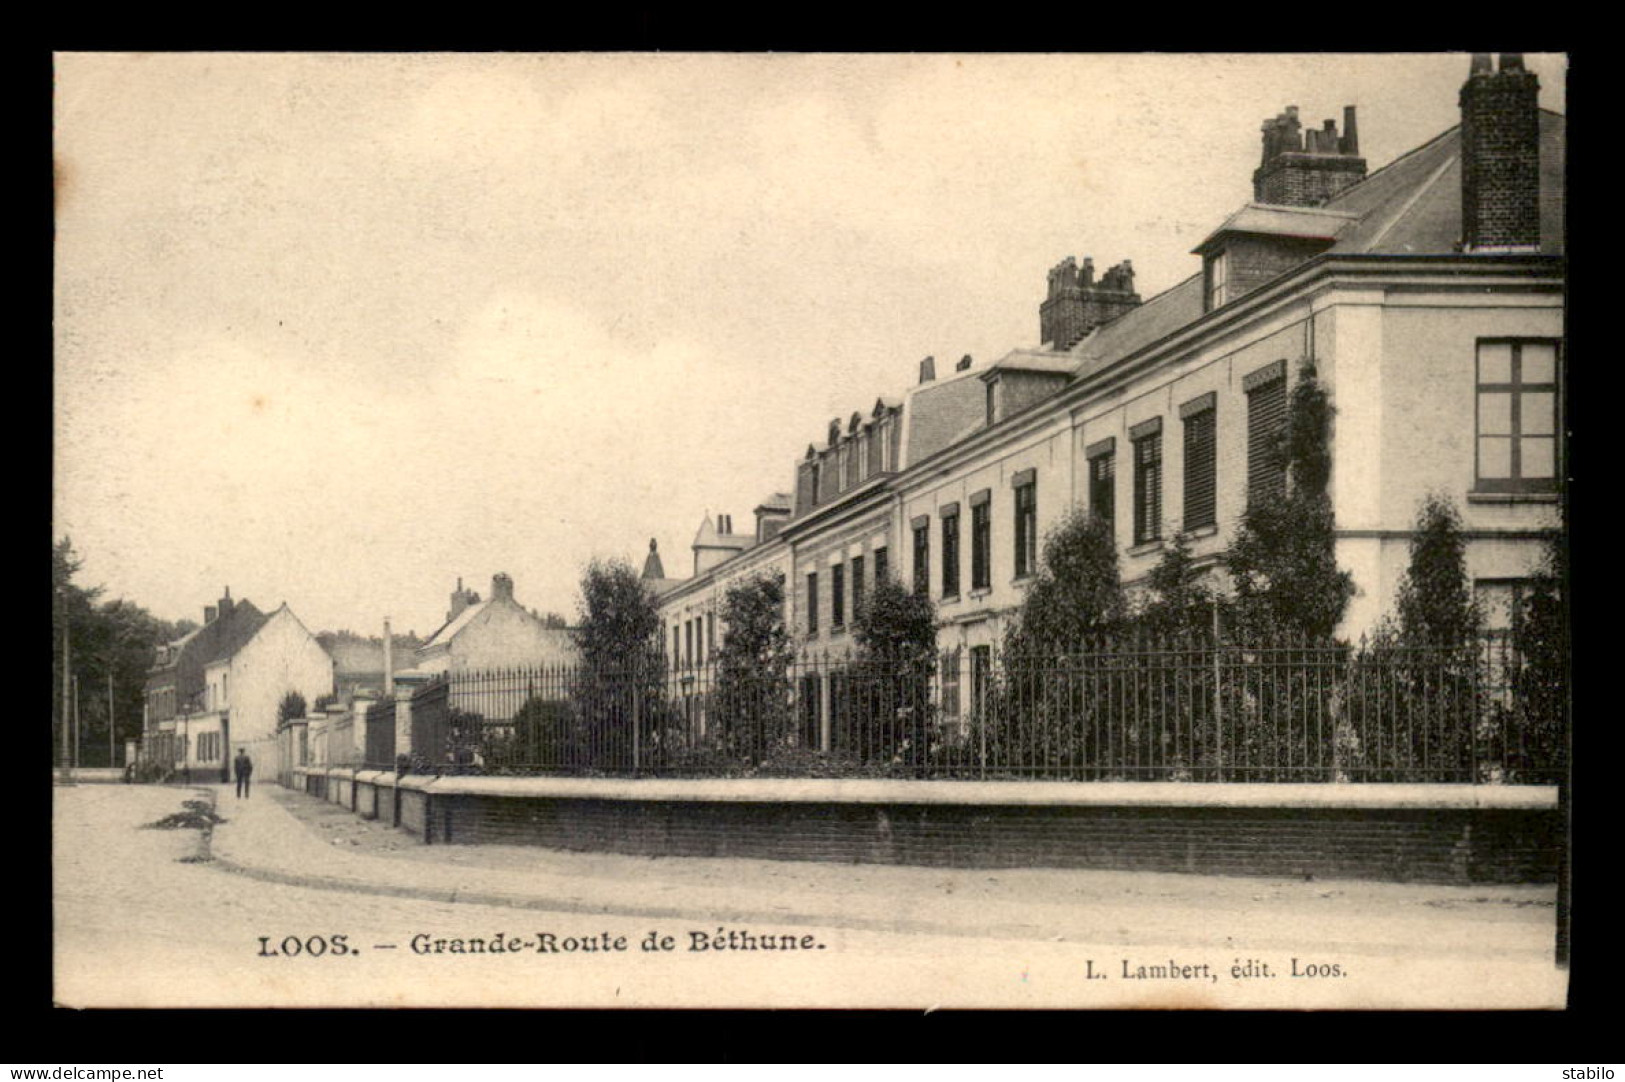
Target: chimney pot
x=928 y=370
x=964 y=363
x=1481 y=64
x=1512 y=62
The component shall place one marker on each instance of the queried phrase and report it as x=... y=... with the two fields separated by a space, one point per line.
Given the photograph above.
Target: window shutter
x=1201 y=469
x=1266 y=421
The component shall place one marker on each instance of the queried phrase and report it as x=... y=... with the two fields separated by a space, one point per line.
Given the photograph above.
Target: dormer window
x=1218 y=279
x=992 y=401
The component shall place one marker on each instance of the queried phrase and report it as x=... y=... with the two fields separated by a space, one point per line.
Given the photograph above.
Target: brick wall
x=1500 y=174
x=1305 y=180
x=1410 y=845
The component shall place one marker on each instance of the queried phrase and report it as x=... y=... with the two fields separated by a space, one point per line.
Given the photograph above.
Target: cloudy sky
x=335 y=330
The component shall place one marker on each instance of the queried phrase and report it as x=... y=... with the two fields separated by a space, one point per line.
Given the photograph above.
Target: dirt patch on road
x=198 y=815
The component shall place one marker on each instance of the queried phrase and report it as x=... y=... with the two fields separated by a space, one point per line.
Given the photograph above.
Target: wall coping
x=1012 y=793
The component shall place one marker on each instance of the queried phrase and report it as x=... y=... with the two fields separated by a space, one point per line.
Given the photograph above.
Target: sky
x=336 y=330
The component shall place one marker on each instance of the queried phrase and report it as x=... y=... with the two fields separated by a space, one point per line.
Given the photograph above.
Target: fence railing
x=1165 y=712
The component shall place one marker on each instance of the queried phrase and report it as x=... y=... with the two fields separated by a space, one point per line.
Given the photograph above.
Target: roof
x=1312 y=222
x=1025 y=360
x=779 y=501
x=1413 y=205
x=448 y=631
x=230 y=632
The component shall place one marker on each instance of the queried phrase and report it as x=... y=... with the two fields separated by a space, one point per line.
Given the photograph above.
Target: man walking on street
x=245 y=771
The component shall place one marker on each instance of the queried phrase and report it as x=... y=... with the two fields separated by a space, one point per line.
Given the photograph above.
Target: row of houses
x=221 y=687
x=1428 y=295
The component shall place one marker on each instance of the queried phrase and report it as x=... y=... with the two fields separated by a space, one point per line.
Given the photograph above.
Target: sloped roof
x=1027 y=360
x=1316 y=223
x=1413 y=205
x=1158 y=317
x=448 y=631
x=229 y=633
x=779 y=501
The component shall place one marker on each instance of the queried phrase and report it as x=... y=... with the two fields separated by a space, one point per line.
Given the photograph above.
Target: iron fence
x=379 y=753
x=1165 y=711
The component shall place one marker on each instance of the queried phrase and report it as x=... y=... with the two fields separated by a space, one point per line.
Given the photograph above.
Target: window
x=1026 y=523
x=812 y=602
x=1147 y=481
x=981 y=543
x=922 y=557
x=1517 y=416
x=950 y=551
x=812 y=484
x=837 y=597
x=1201 y=461
x=863 y=457
x=857 y=585
x=711 y=633
x=225 y=688
x=1266 y=424
x=1218 y=280
x=676 y=646
x=950 y=683
x=981 y=673
x=992 y=402
x=881 y=559
x=688 y=635
x=1102 y=471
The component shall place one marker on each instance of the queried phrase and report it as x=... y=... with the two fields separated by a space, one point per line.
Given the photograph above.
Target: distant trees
x=291 y=708
x=107 y=640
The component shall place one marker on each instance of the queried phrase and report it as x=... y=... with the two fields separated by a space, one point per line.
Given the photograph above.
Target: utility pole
x=76 y=722
x=110 y=756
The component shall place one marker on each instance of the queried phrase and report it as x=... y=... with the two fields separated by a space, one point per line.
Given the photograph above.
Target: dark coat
x=243 y=765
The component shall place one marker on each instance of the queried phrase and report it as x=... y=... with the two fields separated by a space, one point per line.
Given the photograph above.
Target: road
x=140 y=922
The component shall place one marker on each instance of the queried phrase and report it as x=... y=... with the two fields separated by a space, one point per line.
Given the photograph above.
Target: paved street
x=139 y=920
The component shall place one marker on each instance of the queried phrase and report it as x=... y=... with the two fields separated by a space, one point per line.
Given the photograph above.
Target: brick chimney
x=1305 y=169
x=928 y=370
x=964 y=364
x=226 y=603
x=460 y=600
x=501 y=587
x=1500 y=157
x=1077 y=304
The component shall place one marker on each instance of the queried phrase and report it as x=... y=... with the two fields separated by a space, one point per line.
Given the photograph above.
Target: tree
x=1540 y=644
x=1283 y=560
x=109 y=641
x=1435 y=600
x=1077 y=595
x=618 y=698
x=291 y=708
x=887 y=715
x=1178 y=599
x=751 y=711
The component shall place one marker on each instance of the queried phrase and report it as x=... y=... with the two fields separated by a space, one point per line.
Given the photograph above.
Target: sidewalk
x=288 y=837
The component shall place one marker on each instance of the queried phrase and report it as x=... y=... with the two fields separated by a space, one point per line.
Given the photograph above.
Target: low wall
x=1407 y=833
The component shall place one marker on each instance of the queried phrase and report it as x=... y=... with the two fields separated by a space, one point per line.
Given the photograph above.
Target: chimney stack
x=1500 y=157
x=964 y=363
x=1077 y=304
x=928 y=370
x=226 y=603
x=501 y=587
x=1306 y=169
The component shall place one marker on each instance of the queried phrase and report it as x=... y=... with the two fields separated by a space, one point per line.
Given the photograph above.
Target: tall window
x=981 y=545
x=676 y=645
x=688 y=636
x=711 y=632
x=1517 y=416
x=950 y=552
x=1147 y=482
x=857 y=585
x=1266 y=424
x=1026 y=524
x=881 y=568
x=981 y=674
x=1218 y=280
x=1102 y=476
x=922 y=557
x=812 y=602
x=1201 y=461
x=837 y=597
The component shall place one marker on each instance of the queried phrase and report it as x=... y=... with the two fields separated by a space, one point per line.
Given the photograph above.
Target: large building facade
x=1427 y=296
